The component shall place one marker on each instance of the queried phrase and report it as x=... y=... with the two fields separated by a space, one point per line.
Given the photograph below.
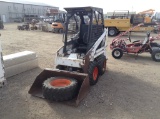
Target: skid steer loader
x=80 y=62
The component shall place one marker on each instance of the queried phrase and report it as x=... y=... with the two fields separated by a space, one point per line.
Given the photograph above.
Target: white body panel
x=73 y=61
x=96 y=52
x=2 y=78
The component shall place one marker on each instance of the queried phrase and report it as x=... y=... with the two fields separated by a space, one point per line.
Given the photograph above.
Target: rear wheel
x=93 y=72
x=156 y=55
x=102 y=64
x=155 y=45
x=59 y=88
x=112 y=32
x=117 y=53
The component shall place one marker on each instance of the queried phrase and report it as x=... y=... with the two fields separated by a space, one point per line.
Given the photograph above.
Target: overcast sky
x=107 y=5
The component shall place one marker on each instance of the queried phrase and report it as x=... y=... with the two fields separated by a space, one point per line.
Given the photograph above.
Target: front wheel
x=102 y=64
x=93 y=72
x=117 y=53
x=59 y=88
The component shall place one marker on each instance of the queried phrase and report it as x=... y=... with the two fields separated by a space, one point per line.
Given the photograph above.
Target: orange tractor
x=58 y=24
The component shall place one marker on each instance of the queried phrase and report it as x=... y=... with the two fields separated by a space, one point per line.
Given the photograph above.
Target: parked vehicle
x=23 y=26
x=119 y=46
x=122 y=22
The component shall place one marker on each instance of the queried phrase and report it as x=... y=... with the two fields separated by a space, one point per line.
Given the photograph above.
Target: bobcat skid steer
x=80 y=62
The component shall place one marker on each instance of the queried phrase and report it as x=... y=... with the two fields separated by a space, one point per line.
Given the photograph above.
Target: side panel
x=124 y=24
x=117 y=23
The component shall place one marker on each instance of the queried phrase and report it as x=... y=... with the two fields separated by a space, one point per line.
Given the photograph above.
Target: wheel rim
x=117 y=53
x=157 y=56
x=95 y=73
x=61 y=82
x=111 y=32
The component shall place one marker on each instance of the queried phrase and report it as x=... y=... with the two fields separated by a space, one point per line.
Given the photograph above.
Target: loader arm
x=95 y=52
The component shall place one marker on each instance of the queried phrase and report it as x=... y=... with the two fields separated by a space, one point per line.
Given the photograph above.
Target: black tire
x=155 y=45
x=60 y=30
x=59 y=93
x=156 y=55
x=102 y=64
x=93 y=72
x=112 y=31
x=117 y=53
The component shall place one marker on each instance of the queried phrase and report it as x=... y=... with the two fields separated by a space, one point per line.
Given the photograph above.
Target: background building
x=11 y=10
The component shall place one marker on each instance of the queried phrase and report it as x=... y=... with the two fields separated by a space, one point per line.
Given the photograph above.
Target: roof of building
x=27 y=2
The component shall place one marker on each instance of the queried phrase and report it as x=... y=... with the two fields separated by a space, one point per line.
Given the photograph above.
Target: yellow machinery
x=58 y=26
x=147 y=14
x=58 y=20
x=58 y=23
x=122 y=22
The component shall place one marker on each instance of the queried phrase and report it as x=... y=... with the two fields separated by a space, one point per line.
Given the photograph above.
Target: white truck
x=2 y=78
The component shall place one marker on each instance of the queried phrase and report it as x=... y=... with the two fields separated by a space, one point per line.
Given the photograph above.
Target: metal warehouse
x=11 y=10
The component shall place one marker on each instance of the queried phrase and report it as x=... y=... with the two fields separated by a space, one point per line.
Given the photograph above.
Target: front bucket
x=82 y=79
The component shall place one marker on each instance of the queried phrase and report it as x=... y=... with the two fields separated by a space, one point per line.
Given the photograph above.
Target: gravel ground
x=130 y=89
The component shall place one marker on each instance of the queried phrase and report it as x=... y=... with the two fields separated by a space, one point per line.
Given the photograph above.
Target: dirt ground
x=130 y=89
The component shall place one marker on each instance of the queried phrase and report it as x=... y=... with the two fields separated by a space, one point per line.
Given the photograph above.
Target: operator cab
x=84 y=25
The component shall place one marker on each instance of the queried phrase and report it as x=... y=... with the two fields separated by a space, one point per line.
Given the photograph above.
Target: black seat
x=83 y=38
x=83 y=34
